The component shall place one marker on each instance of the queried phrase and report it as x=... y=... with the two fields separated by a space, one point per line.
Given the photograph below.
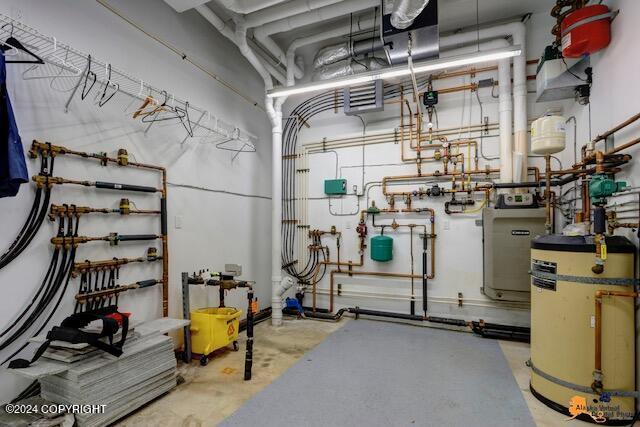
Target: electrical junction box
x=335 y=186
x=506 y=241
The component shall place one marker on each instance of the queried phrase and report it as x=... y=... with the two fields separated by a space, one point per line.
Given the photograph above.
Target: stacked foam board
x=145 y=371
x=77 y=374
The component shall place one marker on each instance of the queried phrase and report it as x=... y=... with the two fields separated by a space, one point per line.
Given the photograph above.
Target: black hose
x=47 y=278
x=51 y=288
x=34 y=219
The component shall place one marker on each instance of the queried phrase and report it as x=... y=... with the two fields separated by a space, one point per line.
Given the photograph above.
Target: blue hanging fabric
x=13 y=169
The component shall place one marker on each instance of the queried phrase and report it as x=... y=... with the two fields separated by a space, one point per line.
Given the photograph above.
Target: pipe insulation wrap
x=136 y=237
x=163 y=216
x=124 y=187
x=284 y=10
x=406 y=11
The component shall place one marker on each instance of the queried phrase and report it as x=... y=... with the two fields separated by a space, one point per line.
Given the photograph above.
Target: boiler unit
x=583 y=327
x=507 y=234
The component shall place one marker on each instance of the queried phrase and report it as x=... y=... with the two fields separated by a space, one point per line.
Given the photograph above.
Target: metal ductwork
x=338 y=52
x=406 y=11
x=410 y=30
x=347 y=67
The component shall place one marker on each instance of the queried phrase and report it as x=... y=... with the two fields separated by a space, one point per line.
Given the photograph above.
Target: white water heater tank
x=548 y=135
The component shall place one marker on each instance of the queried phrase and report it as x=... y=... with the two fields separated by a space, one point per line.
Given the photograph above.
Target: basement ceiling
x=453 y=15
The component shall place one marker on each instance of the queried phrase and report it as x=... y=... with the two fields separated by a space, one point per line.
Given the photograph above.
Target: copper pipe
x=615 y=129
x=54 y=150
x=599 y=162
x=453 y=89
x=69 y=210
x=433 y=174
x=591 y=157
x=432 y=236
x=597 y=383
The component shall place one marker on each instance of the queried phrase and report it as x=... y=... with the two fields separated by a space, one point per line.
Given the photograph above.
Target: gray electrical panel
x=506 y=237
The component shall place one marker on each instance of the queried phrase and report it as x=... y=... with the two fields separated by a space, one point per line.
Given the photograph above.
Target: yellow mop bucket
x=214 y=328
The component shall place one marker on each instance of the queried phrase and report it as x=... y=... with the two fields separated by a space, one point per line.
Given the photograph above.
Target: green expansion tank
x=381 y=248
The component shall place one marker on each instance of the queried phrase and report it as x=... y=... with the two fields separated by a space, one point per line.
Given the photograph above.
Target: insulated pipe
x=278 y=287
x=248 y=6
x=239 y=38
x=337 y=10
x=262 y=34
x=506 y=117
x=285 y=10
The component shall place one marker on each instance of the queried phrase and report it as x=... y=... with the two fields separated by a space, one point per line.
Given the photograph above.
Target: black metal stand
x=248 y=360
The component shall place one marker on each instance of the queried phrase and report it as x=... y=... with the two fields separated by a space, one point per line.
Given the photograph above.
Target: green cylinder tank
x=381 y=248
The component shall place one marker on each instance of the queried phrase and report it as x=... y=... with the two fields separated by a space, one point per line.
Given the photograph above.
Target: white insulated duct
x=406 y=11
x=285 y=10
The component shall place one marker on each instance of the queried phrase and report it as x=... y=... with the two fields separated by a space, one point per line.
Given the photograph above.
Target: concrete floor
x=211 y=393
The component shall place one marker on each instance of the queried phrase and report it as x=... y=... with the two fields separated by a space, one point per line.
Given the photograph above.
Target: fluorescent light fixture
x=398 y=71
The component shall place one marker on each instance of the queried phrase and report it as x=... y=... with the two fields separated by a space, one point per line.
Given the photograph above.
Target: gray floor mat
x=384 y=374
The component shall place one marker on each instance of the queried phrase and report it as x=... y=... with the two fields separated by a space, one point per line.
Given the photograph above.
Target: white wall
x=459 y=241
x=217 y=228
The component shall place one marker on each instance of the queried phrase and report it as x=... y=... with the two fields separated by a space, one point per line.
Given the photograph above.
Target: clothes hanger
x=104 y=98
x=235 y=136
x=187 y=124
x=86 y=91
x=174 y=112
x=12 y=42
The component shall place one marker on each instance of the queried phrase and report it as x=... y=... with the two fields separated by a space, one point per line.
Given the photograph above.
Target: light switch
x=446 y=225
x=178 y=221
